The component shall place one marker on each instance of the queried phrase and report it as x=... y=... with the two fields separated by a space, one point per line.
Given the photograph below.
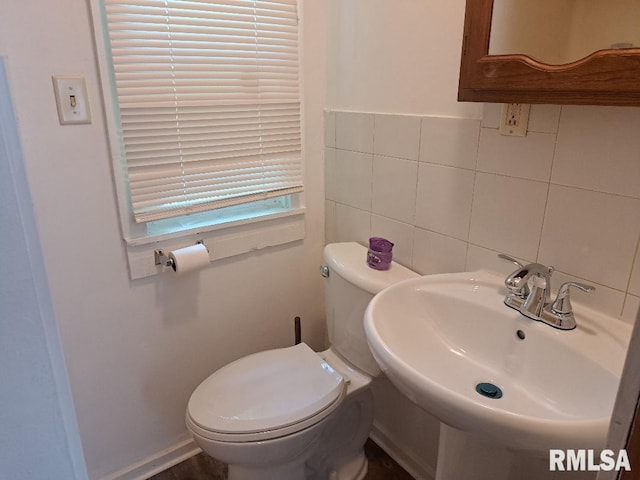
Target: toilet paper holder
x=164 y=260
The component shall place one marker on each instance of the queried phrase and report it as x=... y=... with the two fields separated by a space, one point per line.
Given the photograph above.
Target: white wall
x=136 y=350
x=40 y=437
x=397 y=56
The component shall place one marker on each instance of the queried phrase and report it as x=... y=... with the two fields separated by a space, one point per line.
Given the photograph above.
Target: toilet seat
x=265 y=395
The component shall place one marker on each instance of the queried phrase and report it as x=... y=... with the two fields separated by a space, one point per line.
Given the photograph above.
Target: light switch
x=72 y=99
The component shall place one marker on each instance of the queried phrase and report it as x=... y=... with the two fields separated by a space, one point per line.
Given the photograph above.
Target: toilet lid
x=265 y=391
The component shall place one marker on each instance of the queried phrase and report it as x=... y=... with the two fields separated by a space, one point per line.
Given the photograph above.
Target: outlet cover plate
x=514 y=119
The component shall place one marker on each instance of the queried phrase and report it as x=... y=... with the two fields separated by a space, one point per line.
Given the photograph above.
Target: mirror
x=523 y=51
x=574 y=29
x=557 y=32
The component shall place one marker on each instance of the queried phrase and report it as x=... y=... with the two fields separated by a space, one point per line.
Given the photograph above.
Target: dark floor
x=203 y=467
x=381 y=465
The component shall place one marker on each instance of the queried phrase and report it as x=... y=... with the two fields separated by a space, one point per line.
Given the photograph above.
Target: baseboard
x=412 y=465
x=165 y=459
x=159 y=462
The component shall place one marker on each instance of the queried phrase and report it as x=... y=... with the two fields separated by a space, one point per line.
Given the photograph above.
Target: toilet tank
x=349 y=288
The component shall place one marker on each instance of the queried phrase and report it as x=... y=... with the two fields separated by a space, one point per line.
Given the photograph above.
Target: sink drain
x=489 y=390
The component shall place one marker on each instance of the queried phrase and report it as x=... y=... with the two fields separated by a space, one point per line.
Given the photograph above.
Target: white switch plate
x=71 y=99
x=514 y=119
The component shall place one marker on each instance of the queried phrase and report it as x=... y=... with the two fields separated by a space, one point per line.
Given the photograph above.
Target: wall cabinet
x=608 y=76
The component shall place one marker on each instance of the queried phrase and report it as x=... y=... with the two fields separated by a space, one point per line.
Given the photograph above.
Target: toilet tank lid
x=349 y=260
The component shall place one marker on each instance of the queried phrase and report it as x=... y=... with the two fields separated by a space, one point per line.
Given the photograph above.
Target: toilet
x=292 y=413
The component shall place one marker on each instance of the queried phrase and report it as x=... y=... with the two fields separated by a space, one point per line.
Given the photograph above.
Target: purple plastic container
x=380 y=253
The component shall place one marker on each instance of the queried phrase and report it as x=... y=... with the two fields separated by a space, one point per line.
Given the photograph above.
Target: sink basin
x=437 y=337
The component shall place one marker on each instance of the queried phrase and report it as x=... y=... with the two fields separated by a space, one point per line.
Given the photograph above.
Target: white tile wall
x=354 y=131
x=397 y=136
x=444 y=199
x=527 y=157
x=351 y=224
x=353 y=173
x=450 y=141
x=394 y=188
x=436 y=253
x=507 y=214
x=330 y=173
x=631 y=309
x=591 y=234
x=401 y=233
x=634 y=285
x=544 y=119
x=452 y=192
x=330 y=129
x=599 y=149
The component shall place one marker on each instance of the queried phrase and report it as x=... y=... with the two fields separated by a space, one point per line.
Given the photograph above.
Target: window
x=206 y=108
x=208 y=102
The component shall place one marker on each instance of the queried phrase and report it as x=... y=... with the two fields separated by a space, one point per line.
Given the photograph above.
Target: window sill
x=222 y=240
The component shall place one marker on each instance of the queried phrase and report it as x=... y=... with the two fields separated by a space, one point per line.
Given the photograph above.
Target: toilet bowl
x=292 y=413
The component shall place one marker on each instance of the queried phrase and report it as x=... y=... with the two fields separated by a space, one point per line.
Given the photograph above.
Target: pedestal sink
x=509 y=383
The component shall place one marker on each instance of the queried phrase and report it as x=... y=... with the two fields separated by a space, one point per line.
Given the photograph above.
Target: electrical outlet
x=514 y=119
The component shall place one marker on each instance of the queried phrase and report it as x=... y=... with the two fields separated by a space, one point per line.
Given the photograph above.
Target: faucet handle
x=510 y=259
x=562 y=304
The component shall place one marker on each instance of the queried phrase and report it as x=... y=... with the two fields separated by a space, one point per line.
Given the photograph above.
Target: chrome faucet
x=534 y=301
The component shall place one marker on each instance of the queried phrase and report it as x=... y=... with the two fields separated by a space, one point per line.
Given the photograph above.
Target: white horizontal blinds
x=209 y=101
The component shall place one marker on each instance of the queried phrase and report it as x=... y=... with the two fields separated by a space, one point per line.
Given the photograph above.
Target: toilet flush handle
x=324 y=271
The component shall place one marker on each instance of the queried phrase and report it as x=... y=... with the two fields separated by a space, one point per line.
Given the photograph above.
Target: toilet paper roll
x=189 y=259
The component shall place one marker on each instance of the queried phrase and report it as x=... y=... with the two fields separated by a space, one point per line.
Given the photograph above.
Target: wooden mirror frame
x=606 y=77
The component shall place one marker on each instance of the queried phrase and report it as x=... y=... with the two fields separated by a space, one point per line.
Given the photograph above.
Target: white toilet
x=292 y=413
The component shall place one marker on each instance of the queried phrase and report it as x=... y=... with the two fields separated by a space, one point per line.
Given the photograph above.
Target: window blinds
x=208 y=100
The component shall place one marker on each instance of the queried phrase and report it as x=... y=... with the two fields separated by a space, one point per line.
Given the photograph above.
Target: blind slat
x=208 y=95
